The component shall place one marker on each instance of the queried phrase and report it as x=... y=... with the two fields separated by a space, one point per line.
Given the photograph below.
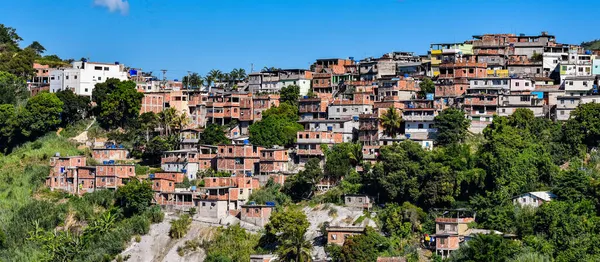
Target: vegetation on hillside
x=591 y=45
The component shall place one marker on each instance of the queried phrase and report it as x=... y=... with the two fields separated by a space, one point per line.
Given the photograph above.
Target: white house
x=534 y=199
x=83 y=76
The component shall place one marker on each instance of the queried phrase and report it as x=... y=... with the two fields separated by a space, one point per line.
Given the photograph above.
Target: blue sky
x=199 y=35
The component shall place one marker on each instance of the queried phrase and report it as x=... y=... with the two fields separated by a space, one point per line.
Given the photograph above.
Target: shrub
x=155 y=214
x=180 y=227
x=139 y=225
x=138 y=238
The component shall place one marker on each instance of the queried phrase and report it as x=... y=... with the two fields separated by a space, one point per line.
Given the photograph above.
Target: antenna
x=164 y=81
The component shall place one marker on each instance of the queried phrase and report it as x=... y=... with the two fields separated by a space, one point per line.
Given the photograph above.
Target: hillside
x=25 y=169
x=591 y=45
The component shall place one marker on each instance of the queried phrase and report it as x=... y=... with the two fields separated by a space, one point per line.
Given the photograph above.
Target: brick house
x=274 y=160
x=110 y=176
x=61 y=172
x=86 y=177
x=238 y=159
x=256 y=214
x=449 y=233
x=189 y=138
x=110 y=153
x=338 y=235
x=260 y=103
x=312 y=108
x=309 y=143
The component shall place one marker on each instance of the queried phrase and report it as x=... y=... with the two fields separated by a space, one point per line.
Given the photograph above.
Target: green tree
x=491 y=247
x=40 y=115
x=391 y=122
x=340 y=159
x=231 y=244
x=301 y=186
x=74 y=108
x=118 y=103
x=365 y=247
x=401 y=221
x=8 y=124
x=37 y=47
x=9 y=39
x=270 y=192
x=278 y=127
x=426 y=87
x=451 y=126
x=12 y=89
x=286 y=229
x=290 y=94
x=134 y=197
x=585 y=122
x=213 y=134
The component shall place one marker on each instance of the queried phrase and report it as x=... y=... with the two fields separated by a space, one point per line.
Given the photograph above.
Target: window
x=333 y=236
x=99 y=78
x=203 y=204
x=67 y=77
x=442 y=241
x=503 y=110
x=420 y=126
x=349 y=200
x=471 y=70
x=105 y=68
x=230 y=150
x=517 y=84
x=337 y=110
x=526 y=83
x=75 y=76
x=360 y=200
x=98 y=68
x=300 y=136
x=170 y=184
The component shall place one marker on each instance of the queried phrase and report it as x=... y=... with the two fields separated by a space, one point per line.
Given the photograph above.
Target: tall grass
x=25 y=169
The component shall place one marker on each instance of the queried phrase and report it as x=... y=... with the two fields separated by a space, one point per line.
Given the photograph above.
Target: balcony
x=316 y=141
x=462 y=64
x=368 y=126
x=481 y=102
x=310 y=109
x=309 y=152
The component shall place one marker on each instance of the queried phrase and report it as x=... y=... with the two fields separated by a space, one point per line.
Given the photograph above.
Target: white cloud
x=114 y=5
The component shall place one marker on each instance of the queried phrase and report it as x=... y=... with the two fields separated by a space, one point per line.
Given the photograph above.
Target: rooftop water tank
x=246 y=141
x=355 y=118
x=117 y=63
x=270 y=203
x=329 y=128
x=193 y=188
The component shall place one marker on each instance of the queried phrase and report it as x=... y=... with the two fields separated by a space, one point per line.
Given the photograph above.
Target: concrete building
x=186 y=161
x=83 y=76
x=533 y=199
x=189 y=138
x=256 y=214
x=510 y=103
x=299 y=77
x=264 y=82
x=358 y=201
x=419 y=115
x=346 y=127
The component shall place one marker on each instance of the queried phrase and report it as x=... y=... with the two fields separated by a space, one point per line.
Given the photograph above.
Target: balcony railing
x=418 y=117
x=309 y=152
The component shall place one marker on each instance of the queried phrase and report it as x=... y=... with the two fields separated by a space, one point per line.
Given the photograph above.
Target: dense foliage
x=117 y=102
x=278 y=127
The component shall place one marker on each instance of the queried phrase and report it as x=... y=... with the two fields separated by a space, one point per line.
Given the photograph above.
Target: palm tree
x=391 y=122
x=295 y=247
x=356 y=155
x=196 y=80
x=186 y=82
x=179 y=227
x=167 y=118
x=213 y=75
x=242 y=74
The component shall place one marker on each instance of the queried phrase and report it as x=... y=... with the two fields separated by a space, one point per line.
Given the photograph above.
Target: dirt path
x=83 y=137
